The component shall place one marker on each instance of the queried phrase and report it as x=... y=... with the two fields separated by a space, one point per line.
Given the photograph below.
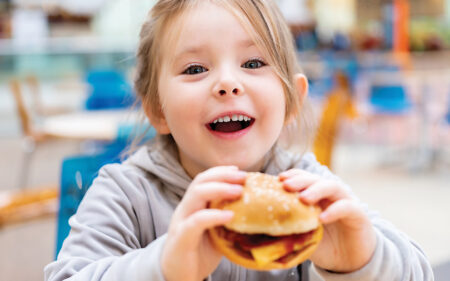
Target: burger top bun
x=266 y=207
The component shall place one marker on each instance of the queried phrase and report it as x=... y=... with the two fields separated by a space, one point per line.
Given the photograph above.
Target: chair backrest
x=390 y=99
x=447 y=115
x=23 y=113
x=33 y=85
x=77 y=174
x=108 y=89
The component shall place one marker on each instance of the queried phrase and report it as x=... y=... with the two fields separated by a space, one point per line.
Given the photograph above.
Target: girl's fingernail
x=228 y=214
x=231 y=167
x=235 y=189
x=324 y=217
x=288 y=181
x=241 y=173
x=306 y=195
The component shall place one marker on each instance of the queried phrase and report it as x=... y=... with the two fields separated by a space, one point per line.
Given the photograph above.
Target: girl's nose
x=228 y=87
x=227 y=83
x=235 y=91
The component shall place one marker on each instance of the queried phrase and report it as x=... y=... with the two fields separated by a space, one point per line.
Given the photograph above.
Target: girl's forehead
x=178 y=23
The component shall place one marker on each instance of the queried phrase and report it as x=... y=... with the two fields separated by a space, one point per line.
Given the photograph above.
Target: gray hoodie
x=119 y=230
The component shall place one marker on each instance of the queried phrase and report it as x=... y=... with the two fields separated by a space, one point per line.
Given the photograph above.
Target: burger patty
x=243 y=243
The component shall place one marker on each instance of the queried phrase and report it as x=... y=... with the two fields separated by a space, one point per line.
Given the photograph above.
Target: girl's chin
x=243 y=165
x=249 y=162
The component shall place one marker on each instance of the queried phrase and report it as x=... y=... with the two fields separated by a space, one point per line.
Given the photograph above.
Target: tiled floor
x=417 y=203
x=26 y=248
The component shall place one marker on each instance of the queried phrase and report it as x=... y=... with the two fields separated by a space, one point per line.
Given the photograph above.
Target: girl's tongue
x=228 y=127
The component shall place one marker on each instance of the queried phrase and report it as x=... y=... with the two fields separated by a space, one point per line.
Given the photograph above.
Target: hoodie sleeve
x=104 y=242
x=396 y=257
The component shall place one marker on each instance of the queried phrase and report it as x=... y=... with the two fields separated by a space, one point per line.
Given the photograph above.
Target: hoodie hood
x=160 y=158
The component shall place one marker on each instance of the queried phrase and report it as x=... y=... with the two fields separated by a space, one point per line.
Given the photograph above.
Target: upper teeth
x=234 y=117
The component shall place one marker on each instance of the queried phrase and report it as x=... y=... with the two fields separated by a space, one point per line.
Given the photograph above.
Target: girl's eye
x=253 y=64
x=194 y=69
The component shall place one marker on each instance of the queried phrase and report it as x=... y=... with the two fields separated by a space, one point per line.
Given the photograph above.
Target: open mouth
x=231 y=124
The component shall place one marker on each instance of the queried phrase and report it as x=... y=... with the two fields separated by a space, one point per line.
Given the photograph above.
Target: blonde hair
x=262 y=20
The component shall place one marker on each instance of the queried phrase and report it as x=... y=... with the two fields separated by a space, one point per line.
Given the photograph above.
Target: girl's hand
x=188 y=254
x=349 y=238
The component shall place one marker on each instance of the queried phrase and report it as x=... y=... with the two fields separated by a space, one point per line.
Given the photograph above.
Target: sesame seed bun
x=267 y=210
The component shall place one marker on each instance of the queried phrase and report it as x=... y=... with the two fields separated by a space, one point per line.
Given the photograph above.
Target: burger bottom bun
x=228 y=250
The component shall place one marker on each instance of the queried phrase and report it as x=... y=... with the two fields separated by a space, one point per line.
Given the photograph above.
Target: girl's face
x=220 y=100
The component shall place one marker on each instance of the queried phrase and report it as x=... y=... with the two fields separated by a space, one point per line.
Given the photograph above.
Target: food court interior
x=379 y=75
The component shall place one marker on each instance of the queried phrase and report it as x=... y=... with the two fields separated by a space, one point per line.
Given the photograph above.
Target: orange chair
x=338 y=105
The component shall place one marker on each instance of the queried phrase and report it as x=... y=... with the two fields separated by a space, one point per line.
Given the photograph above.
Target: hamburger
x=271 y=227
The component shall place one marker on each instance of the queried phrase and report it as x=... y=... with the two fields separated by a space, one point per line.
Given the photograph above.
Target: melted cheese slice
x=266 y=254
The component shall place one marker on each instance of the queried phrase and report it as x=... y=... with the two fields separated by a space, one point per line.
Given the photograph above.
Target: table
x=100 y=125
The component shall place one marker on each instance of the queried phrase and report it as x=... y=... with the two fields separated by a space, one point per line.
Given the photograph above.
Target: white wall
x=296 y=11
x=121 y=19
x=335 y=16
x=74 y=6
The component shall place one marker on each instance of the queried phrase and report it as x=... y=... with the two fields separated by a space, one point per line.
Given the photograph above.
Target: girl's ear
x=301 y=84
x=301 y=87
x=158 y=122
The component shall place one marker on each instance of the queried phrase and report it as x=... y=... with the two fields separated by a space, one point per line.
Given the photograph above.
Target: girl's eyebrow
x=191 y=50
x=197 y=49
x=247 y=43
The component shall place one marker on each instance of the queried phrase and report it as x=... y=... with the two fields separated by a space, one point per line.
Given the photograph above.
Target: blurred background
x=379 y=74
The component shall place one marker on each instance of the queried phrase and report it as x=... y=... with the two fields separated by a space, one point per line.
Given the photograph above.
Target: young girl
x=220 y=84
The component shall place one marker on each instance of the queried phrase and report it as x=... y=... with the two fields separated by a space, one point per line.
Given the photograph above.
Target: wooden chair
x=32 y=137
x=39 y=108
x=26 y=204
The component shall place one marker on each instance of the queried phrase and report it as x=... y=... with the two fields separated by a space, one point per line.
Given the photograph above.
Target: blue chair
x=306 y=40
x=320 y=87
x=108 y=90
x=341 y=42
x=127 y=132
x=447 y=116
x=389 y=99
x=334 y=63
x=77 y=174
